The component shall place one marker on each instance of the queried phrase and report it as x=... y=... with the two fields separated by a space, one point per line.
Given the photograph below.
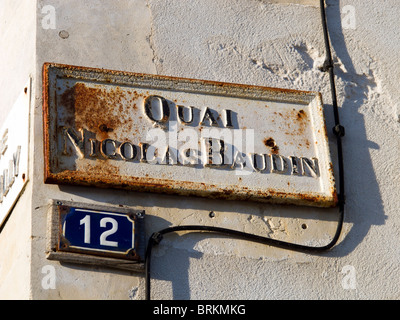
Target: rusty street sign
x=180 y=136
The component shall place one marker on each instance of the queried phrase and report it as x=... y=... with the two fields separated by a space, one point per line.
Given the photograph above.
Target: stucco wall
x=249 y=42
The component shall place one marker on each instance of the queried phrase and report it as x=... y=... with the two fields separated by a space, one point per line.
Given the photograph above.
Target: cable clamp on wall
x=156 y=237
x=338 y=130
x=326 y=66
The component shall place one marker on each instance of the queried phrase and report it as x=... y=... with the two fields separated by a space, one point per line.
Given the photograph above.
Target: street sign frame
x=75 y=235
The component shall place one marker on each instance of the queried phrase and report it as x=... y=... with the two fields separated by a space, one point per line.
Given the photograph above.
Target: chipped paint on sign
x=182 y=136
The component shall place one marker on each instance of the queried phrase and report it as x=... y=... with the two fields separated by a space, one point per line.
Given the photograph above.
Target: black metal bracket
x=339 y=130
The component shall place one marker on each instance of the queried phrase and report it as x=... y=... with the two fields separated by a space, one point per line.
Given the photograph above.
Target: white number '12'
x=103 y=237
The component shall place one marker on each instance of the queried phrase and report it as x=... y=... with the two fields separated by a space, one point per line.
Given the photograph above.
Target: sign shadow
x=364 y=206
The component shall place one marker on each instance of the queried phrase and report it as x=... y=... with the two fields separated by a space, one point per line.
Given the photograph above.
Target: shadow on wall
x=364 y=205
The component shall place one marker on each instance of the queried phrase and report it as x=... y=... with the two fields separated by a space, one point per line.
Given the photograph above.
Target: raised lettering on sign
x=9 y=174
x=215 y=155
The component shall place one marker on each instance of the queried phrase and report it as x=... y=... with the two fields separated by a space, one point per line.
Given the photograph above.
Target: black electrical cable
x=338 y=131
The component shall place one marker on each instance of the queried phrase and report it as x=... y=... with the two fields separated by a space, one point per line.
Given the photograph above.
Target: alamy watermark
x=348 y=17
x=49 y=278
x=49 y=17
x=349 y=280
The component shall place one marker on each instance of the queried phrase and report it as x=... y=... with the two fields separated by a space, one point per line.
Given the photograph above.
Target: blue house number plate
x=104 y=233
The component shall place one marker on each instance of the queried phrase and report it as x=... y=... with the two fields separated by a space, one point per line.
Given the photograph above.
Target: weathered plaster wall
x=17 y=49
x=250 y=42
x=15 y=251
x=259 y=43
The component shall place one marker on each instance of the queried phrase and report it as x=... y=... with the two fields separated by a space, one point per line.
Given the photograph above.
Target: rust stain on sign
x=181 y=136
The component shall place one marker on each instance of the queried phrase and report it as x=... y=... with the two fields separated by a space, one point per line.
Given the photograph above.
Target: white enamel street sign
x=14 y=141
